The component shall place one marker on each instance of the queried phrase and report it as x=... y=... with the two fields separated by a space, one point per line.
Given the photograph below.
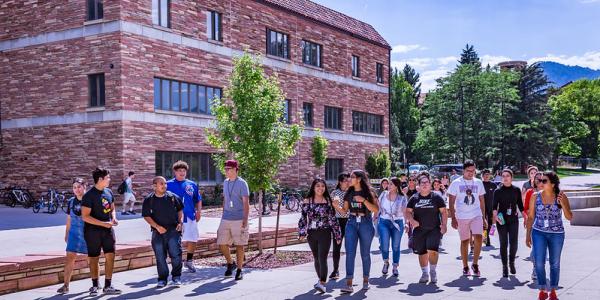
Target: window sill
x=368 y=134
x=333 y=130
x=220 y=43
x=184 y=114
x=95 y=109
x=162 y=28
x=287 y=60
x=313 y=67
x=92 y=22
x=357 y=78
x=380 y=84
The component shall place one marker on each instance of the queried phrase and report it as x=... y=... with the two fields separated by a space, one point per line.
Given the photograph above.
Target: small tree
x=378 y=164
x=319 y=149
x=250 y=126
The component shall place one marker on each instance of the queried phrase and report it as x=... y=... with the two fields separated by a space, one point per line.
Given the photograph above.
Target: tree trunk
x=260 y=198
x=277 y=223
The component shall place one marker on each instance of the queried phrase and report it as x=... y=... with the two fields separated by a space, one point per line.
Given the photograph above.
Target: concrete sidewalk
x=580 y=274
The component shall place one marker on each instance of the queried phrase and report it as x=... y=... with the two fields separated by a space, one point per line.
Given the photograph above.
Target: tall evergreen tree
x=469 y=56
x=412 y=77
x=404 y=119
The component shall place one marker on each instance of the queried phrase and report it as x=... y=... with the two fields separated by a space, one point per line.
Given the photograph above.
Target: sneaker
x=347 y=290
x=189 y=264
x=161 y=284
x=239 y=275
x=553 y=295
x=319 y=287
x=504 y=271
x=63 y=290
x=131 y=212
x=395 y=270
x=386 y=267
x=110 y=290
x=124 y=213
x=513 y=270
x=542 y=295
x=424 y=278
x=229 y=271
x=475 y=268
x=466 y=271
x=94 y=290
x=433 y=277
x=176 y=282
x=365 y=285
x=334 y=275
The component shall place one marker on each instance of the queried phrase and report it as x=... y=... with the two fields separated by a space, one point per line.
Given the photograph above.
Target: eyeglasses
x=228 y=168
x=544 y=180
x=425 y=182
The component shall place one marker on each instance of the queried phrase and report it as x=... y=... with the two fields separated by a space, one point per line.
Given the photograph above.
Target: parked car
x=445 y=169
x=414 y=169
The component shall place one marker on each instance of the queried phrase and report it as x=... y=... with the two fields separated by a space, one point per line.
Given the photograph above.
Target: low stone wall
x=38 y=270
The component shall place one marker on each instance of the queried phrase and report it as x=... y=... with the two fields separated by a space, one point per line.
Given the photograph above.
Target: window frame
x=364 y=122
x=340 y=121
x=159 y=20
x=286 y=52
x=163 y=161
x=379 y=72
x=215 y=32
x=319 y=57
x=334 y=173
x=97 y=80
x=94 y=10
x=310 y=114
x=202 y=104
x=355 y=66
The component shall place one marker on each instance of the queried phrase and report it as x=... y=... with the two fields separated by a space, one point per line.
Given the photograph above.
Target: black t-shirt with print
x=426 y=209
x=101 y=204
x=163 y=210
x=356 y=207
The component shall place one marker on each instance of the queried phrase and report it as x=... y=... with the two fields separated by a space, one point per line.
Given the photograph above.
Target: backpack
x=121 y=188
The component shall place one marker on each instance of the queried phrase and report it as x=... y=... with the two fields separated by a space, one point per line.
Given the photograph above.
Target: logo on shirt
x=189 y=189
x=105 y=205
x=424 y=203
x=469 y=198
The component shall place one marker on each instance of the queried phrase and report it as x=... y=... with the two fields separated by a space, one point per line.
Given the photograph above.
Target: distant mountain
x=560 y=74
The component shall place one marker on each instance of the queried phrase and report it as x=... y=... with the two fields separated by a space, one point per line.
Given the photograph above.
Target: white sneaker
x=347 y=290
x=189 y=264
x=319 y=287
x=365 y=285
x=424 y=278
x=433 y=277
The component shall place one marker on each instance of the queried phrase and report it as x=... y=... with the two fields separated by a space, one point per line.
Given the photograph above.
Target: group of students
x=353 y=213
x=172 y=211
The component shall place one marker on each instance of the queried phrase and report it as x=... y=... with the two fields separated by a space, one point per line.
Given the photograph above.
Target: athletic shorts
x=128 y=197
x=99 y=239
x=190 y=231
x=466 y=227
x=231 y=232
x=426 y=239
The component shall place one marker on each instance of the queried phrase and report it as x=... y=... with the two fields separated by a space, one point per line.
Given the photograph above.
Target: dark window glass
x=286 y=111
x=367 y=123
x=379 y=70
x=355 y=66
x=96 y=89
x=185 y=105
x=95 y=10
x=161 y=13
x=277 y=44
x=307 y=111
x=156 y=93
x=202 y=165
x=215 y=26
x=333 y=118
x=333 y=167
x=311 y=53
x=193 y=98
x=166 y=94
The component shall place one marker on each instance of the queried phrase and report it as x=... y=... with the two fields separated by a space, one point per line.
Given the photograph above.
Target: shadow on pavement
x=420 y=289
x=220 y=284
x=65 y=296
x=466 y=284
x=312 y=294
x=385 y=281
x=509 y=283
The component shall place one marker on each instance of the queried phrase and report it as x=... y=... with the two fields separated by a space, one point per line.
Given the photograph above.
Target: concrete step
x=586 y=217
x=580 y=202
x=583 y=193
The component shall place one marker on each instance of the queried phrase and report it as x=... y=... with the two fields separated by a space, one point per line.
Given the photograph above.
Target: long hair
x=553 y=177
x=341 y=179
x=364 y=184
x=311 y=192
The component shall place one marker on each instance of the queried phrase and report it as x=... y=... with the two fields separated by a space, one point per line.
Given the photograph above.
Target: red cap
x=231 y=164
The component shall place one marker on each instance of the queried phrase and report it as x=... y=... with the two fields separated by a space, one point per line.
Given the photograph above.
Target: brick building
x=124 y=84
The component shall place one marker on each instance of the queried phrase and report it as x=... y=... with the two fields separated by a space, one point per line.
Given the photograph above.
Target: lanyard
x=230 y=189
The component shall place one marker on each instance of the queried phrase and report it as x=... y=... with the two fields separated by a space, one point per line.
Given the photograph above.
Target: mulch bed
x=266 y=261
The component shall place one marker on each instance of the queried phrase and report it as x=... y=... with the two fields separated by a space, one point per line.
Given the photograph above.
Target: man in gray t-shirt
x=234 y=224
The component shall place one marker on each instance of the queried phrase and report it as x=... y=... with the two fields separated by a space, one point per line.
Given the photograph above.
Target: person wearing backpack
x=163 y=211
x=126 y=189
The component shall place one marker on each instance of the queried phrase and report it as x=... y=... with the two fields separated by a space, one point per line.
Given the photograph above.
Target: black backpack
x=121 y=188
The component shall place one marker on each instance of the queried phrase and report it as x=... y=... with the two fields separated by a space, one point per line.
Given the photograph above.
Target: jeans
x=337 y=249
x=169 y=242
x=359 y=232
x=319 y=241
x=553 y=242
x=508 y=234
x=386 y=231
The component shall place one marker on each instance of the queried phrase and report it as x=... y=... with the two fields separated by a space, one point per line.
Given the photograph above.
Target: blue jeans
x=553 y=242
x=169 y=242
x=356 y=233
x=386 y=231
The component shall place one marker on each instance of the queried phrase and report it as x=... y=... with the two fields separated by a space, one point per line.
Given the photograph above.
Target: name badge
x=509 y=211
x=313 y=225
x=231 y=204
x=358 y=219
x=546 y=223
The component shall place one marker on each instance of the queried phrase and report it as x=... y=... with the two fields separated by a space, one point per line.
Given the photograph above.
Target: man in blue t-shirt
x=189 y=193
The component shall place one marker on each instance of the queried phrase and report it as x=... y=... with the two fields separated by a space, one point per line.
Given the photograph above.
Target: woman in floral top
x=318 y=222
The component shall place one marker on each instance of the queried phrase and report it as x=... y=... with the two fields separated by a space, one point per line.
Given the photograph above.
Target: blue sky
x=430 y=34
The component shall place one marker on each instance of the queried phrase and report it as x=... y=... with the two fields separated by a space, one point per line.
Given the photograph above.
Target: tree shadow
x=406 y=251
x=312 y=294
x=420 y=289
x=509 y=283
x=80 y=295
x=359 y=294
x=385 y=281
x=489 y=248
x=142 y=284
x=143 y=293
x=466 y=283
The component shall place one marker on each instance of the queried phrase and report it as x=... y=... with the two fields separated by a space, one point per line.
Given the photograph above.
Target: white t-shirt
x=467 y=194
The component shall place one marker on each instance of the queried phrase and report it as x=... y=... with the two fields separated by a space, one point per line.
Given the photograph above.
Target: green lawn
x=574 y=172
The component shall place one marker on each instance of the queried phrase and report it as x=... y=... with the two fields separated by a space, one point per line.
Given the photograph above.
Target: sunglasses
x=544 y=180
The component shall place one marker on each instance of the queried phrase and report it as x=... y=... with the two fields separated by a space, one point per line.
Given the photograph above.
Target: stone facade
x=50 y=134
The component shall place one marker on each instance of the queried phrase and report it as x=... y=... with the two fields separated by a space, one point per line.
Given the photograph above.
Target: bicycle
x=292 y=200
x=20 y=196
x=51 y=200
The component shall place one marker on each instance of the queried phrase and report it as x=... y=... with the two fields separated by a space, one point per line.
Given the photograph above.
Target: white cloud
x=492 y=60
x=447 y=60
x=407 y=48
x=417 y=63
x=589 y=59
x=428 y=77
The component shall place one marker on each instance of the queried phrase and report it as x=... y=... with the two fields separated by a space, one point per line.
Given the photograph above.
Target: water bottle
x=493 y=229
x=500 y=218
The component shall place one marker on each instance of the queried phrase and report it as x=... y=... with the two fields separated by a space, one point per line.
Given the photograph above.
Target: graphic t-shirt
x=356 y=207
x=188 y=191
x=426 y=209
x=74 y=206
x=467 y=194
x=100 y=202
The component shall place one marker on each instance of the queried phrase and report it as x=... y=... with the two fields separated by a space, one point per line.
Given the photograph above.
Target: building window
x=355 y=66
x=278 y=44
x=95 y=10
x=184 y=96
x=379 y=71
x=96 y=88
x=286 y=111
x=311 y=53
x=367 y=123
x=161 y=13
x=202 y=166
x=333 y=118
x=307 y=113
x=333 y=167
x=214 y=26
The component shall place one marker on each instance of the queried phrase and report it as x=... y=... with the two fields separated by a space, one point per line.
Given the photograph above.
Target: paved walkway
x=580 y=275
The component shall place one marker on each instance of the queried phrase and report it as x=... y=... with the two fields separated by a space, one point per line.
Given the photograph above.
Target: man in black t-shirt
x=490 y=187
x=98 y=213
x=163 y=210
x=426 y=212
